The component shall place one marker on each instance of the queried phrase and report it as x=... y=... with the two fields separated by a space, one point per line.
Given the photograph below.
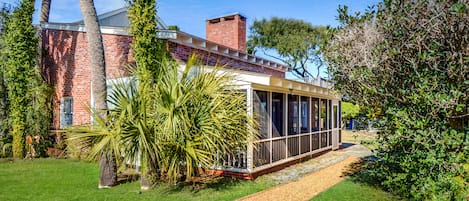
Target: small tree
x=27 y=93
x=406 y=63
x=147 y=48
x=149 y=52
x=297 y=43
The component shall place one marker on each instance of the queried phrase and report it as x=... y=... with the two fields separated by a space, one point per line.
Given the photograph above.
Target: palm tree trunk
x=95 y=54
x=45 y=10
x=108 y=170
x=145 y=182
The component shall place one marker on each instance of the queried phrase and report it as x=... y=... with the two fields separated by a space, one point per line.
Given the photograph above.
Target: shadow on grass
x=346 y=145
x=214 y=183
x=362 y=172
x=4 y=160
x=196 y=184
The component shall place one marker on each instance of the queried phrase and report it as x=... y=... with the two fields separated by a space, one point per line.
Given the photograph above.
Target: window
x=277 y=114
x=315 y=114
x=324 y=117
x=293 y=116
x=261 y=112
x=304 y=114
x=66 y=112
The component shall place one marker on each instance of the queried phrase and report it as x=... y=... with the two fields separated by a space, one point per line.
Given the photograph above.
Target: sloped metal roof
x=118 y=18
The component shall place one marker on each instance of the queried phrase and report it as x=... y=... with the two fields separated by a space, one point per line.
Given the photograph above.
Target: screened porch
x=295 y=120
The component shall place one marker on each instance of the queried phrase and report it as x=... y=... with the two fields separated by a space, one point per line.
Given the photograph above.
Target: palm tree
x=198 y=114
x=179 y=123
x=108 y=169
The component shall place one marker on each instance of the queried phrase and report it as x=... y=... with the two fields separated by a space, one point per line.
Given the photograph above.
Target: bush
x=6 y=150
x=406 y=63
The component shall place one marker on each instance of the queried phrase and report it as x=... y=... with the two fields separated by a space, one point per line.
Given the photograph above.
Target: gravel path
x=305 y=180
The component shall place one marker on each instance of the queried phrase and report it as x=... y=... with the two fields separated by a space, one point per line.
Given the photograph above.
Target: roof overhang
x=200 y=43
x=163 y=34
x=123 y=10
x=271 y=83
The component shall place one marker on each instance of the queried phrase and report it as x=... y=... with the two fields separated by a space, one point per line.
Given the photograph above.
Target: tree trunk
x=107 y=162
x=107 y=169
x=96 y=55
x=145 y=183
x=45 y=10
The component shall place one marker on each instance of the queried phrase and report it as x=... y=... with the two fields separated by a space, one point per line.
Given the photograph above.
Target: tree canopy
x=295 y=42
x=349 y=110
x=406 y=62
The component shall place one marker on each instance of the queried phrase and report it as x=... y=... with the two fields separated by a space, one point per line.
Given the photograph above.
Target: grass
x=350 y=190
x=64 y=179
x=60 y=179
x=365 y=138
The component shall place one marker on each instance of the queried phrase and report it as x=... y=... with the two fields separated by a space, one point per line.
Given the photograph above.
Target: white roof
x=118 y=18
x=321 y=89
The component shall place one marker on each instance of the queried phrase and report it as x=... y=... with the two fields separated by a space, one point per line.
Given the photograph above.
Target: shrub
x=406 y=62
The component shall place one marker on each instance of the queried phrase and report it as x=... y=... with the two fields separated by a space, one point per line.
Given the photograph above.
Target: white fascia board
x=164 y=34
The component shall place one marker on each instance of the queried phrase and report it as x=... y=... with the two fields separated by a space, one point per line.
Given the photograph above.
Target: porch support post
x=270 y=134
x=320 y=123
x=285 y=123
x=250 y=147
x=310 y=127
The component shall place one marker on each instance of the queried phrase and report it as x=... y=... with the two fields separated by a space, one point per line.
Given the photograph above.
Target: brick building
x=297 y=119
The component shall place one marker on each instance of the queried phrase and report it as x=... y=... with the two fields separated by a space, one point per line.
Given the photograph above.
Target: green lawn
x=349 y=190
x=59 y=179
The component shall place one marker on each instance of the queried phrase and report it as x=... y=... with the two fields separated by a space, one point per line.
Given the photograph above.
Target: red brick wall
x=182 y=53
x=66 y=66
x=229 y=31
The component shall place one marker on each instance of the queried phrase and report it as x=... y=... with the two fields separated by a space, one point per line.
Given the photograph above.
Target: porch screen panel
x=323 y=112
x=278 y=149
x=304 y=114
x=329 y=125
x=340 y=121
x=293 y=146
x=324 y=139
x=305 y=144
x=277 y=114
x=315 y=141
x=261 y=112
x=336 y=117
x=262 y=154
x=293 y=115
x=315 y=114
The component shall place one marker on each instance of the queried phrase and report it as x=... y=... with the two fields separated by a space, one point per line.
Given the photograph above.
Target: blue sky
x=190 y=15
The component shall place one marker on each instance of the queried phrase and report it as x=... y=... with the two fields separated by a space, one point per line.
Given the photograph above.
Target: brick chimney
x=228 y=30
